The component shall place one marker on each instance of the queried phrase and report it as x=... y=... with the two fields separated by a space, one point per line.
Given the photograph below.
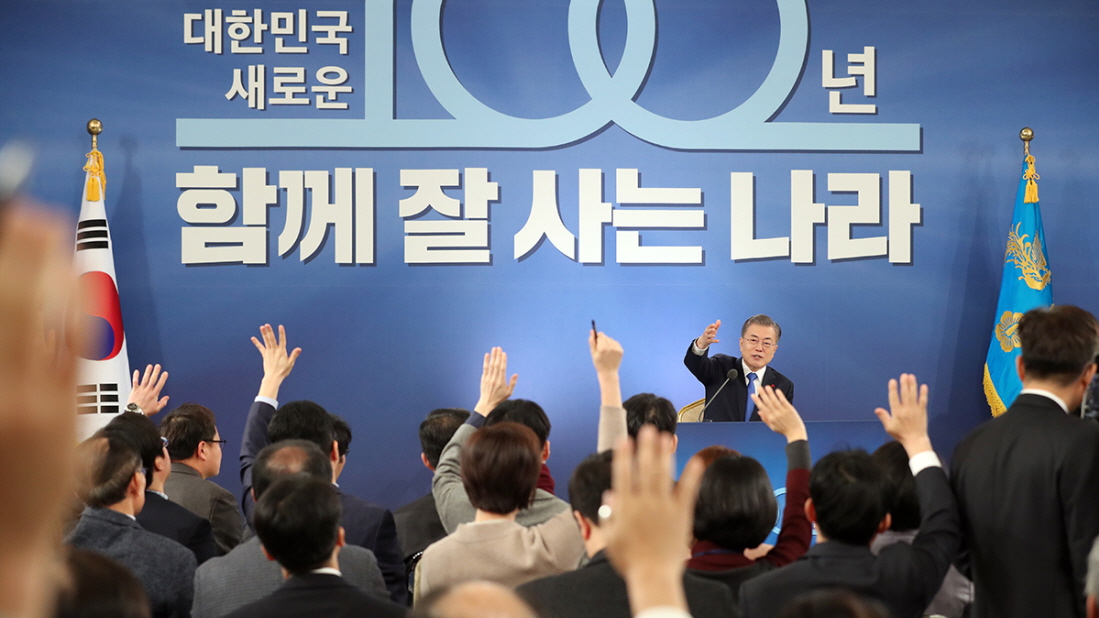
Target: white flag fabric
x=103 y=369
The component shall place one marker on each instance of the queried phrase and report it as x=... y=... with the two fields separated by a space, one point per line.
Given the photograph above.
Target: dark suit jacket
x=903 y=577
x=210 y=501
x=164 y=567
x=732 y=402
x=318 y=594
x=169 y=519
x=596 y=590
x=245 y=575
x=1027 y=484
x=365 y=524
x=418 y=525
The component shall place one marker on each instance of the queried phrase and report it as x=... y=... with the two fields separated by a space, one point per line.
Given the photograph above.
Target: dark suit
x=903 y=577
x=596 y=590
x=245 y=576
x=210 y=501
x=164 y=567
x=1027 y=484
x=365 y=524
x=732 y=403
x=166 y=518
x=319 y=594
x=418 y=525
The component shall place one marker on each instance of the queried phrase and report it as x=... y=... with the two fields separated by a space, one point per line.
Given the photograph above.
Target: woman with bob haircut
x=736 y=506
x=499 y=467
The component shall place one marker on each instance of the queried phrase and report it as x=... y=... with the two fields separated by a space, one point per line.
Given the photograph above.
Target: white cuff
x=695 y=349
x=274 y=403
x=662 y=612
x=921 y=461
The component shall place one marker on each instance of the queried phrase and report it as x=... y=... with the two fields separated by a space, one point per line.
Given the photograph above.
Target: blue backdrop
x=520 y=89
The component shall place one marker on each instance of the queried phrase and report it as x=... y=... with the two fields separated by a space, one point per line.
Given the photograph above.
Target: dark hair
x=437 y=429
x=649 y=409
x=589 y=481
x=1058 y=343
x=524 y=412
x=342 y=432
x=286 y=458
x=736 y=506
x=833 y=603
x=185 y=427
x=850 y=495
x=905 y=506
x=302 y=420
x=142 y=433
x=500 y=466
x=762 y=320
x=110 y=462
x=298 y=521
x=712 y=453
x=95 y=586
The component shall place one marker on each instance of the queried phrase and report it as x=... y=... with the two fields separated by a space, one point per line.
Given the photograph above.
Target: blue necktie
x=752 y=377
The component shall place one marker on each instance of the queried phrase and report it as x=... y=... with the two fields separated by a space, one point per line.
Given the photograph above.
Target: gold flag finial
x=1026 y=135
x=97 y=180
x=95 y=127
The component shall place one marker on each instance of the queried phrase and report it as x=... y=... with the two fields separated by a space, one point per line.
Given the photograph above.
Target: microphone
x=729 y=376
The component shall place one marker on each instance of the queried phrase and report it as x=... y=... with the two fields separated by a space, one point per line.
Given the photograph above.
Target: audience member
x=297 y=520
x=499 y=470
x=418 y=523
x=956 y=593
x=736 y=506
x=848 y=502
x=95 y=586
x=1028 y=481
x=161 y=515
x=114 y=496
x=245 y=575
x=474 y=600
x=365 y=524
x=712 y=453
x=196 y=449
x=833 y=603
x=650 y=409
x=596 y=590
x=145 y=391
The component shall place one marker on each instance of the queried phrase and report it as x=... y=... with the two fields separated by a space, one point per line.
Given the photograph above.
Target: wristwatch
x=133 y=407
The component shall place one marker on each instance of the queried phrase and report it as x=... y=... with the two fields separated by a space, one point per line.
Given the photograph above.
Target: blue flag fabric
x=1025 y=285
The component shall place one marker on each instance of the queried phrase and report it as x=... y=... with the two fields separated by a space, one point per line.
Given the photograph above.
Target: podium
x=755 y=440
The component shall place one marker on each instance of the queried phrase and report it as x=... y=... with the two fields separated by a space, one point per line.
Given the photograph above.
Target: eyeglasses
x=766 y=344
x=164 y=441
x=216 y=441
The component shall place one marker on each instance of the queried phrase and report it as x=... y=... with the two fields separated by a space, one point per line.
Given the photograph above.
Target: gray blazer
x=245 y=575
x=165 y=568
x=186 y=487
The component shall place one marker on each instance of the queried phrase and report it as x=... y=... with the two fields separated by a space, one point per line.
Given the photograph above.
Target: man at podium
x=736 y=378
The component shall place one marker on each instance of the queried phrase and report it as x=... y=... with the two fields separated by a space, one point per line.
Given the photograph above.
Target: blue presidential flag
x=1025 y=285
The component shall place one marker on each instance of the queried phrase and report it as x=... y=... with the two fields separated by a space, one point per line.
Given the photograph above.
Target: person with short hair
x=95 y=586
x=758 y=343
x=245 y=575
x=649 y=409
x=342 y=432
x=297 y=520
x=418 y=523
x=1027 y=481
x=736 y=507
x=161 y=515
x=196 y=449
x=365 y=524
x=849 y=503
x=114 y=492
x=499 y=470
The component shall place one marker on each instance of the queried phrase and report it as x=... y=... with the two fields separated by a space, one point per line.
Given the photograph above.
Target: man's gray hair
x=762 y=320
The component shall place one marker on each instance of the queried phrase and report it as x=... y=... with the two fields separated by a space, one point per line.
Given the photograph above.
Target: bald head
x=287 y=458
x=478 y=600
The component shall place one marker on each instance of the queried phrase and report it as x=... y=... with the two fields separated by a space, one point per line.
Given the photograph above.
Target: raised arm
x=145 y=390
x=277 y=365
x=606 y=355
x=782 y=418
x=697 y=358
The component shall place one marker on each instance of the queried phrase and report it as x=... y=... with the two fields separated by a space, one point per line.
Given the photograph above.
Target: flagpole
x=95 y=127
x=1026 y=135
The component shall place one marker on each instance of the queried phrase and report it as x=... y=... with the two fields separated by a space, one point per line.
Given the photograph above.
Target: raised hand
x=708 y=336
x=606 y=353
x=779 y=415
x=145 y=391
x=277 y=363
x=906 y=419
x=495 y=387
x=650 y=519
